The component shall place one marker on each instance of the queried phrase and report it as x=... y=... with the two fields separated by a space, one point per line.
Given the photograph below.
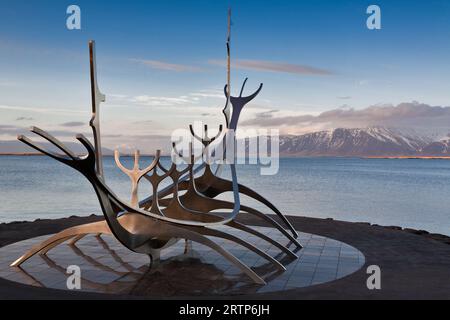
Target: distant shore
x=31 y=154
x=22 y=154
x=410 y=157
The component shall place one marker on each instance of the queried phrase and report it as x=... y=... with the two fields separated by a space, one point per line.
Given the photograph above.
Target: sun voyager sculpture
x=187 y=209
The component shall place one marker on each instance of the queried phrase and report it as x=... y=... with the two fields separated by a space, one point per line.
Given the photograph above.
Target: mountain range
x=364 y=142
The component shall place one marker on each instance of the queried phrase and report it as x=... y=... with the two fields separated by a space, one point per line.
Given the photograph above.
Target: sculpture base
x=108 y=267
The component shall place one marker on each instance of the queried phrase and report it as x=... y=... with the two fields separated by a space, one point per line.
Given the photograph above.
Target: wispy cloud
x=160 y=101
x=12 y=131
x=162 y=65
x=187 y=99
x=266 y=114
x=43 y=110
x=362 y=83
x=270 y=66
x=73 y=124
x=209 y=94
x=24 y=119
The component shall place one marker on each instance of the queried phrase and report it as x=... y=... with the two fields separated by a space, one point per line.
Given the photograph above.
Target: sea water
x=411 y=193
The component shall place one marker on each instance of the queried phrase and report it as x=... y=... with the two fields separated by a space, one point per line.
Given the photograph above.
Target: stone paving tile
x=299 y=283
x=109 y=267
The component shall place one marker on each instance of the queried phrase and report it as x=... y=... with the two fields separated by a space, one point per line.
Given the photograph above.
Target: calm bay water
x=408 y=193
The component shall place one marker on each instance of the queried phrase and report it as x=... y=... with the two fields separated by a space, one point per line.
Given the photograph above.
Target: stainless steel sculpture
x=167 y=216
x=135 y=174
x=97 y=97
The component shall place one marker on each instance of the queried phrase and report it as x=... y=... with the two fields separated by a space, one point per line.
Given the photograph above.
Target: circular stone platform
x=108 y=267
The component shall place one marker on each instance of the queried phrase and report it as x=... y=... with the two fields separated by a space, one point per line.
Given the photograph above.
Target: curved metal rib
x=41 y=149
x=54 y=141
x=113 y=253
x=223 y=235
x=52 y=264
x=197 y=202
x=212 y=186
x=56 y=243
x=98 y=264
x=176 y=209
x=272 y=222
x=243 y=227
x=177 y=232
x=207 y=206
x=61 y=237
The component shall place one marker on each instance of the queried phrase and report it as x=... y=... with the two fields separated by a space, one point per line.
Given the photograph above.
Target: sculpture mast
x=97 y=97
x=229 y=55
x=226 y=111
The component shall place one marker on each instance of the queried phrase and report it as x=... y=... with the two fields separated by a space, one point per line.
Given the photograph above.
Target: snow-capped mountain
x=374 y=141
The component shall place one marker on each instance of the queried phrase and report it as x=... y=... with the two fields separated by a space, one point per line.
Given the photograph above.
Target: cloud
x=44 y=110
x=9 y=130
x=160 y=101
x=7 y=127
x=117 y=96
x=362 y=83
x=266 y=114
x=344 y=97
x=24 y=119
x=161 y=65
x=186 y=99
x=209 y=94
x=269 y=66
x=147 y=144
x=413 y=115
x=144 y=122
x=113 y=134
x=73 y=124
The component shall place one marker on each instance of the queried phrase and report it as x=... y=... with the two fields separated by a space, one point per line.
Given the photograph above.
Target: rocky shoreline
x=435 y=236
x=40 y=227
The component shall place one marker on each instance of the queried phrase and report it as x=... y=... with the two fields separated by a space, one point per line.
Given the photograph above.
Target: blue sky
x=159 y=62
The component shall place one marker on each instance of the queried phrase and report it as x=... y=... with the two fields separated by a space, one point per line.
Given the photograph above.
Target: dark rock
x=394 y=228
x=414 y=231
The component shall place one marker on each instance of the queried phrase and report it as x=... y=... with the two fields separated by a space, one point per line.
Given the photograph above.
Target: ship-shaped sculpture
x=168 y=215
